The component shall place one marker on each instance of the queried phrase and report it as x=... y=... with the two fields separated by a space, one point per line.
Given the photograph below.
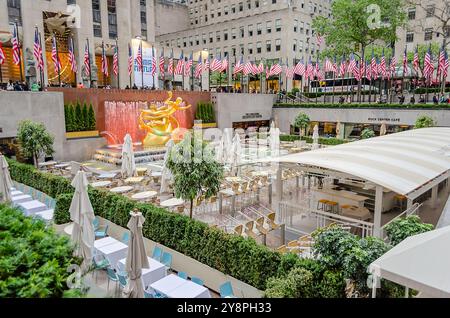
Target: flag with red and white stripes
x=139 y=58
x=416 y=62
x=374 y=67
x=260 y=68
x=180 y=65
x=319 y=39
x=161 y=63
x=2 y=55
x=225 y=65
x=255 y=69
x=130 y=60
x=87 y=61
x=216 y=64
x=55 y=57
x=206 y=65
x=105 y=70
x=441 y=62
x=428 y=66
x=239 y=66
x=72 y=59
x=37 y=50
x=318 y=72
x=275 y=69
x=382 y=67
x=154 y=64
x=351 y=65
x=405 y=63
x=392 y=66
x=289 y=71
x=357 y=71
x=199 y=67
x=116 y=61
x=248 y=68
x=366 y=70
x=328 y=66
x=188 y=66
x=342 y=67
x=299 y=68
x=309 y=73
x=446 y=66
x=170 y=66
x=15 y=46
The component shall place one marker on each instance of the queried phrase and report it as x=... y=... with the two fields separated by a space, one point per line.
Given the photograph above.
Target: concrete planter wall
x=82 y=134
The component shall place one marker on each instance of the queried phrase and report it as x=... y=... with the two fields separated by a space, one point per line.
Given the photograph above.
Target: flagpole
x=58 y=65
x=192 y=72
x=89 y=60
x=154 y=71
x=20 y=51
x=173 y=70
x=201 y=73
x=118 y=64
x=104 y=57
x=334 y=81
x=142 y=68
x=41 y=73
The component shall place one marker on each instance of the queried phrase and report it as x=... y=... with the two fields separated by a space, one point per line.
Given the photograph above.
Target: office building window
x=197 y=40
x=258 y=47
x=294 y=46
x=241 y=6
x=112 y=19
x=97 y=18
x=233 y=51
x=274 y=1
x=69 y=2
x=257 y=4
x=191 y=42
x=184 y=42
x=428 y=34
x=219 y=13
x=302 y=27
x=259 y=28
x=212 y=14
x=278 y=25
x=241 y=32
x=269 y=26
x=278 y=45
x=204 y=38
x=250 y=30
x=300 y=46
x=233 y=33
x=249 y=4
x=233 y=9
x=409 y=37
x=225 y=10
x=178 y=43
x=225 y=35
x=14 y=12
x=295 y=25
x=143 y=18
x=411 y=13
x=250 y=48
x=241 y=49
x=268 y=46
x=210 y=37
x=430 y=11
x=217 y=36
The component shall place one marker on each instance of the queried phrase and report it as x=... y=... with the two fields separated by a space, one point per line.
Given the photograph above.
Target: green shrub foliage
x=79 y=118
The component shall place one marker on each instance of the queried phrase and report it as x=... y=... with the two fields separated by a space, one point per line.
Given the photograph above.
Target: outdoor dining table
x=113 y=252
x=32 y=207
x=101 y=184
x=156 y=174
x=47 y=164
x=141 y=171
x=123 y=189
x=62 y=165
x=176 y=287
x=229 y=193
x=21 y=198
x=172 y=203
x=234 y=179
x=104 y=241
x=154 y=273
x=15 y=193
x=107 y=176
x=134 y=180
x=142 y=196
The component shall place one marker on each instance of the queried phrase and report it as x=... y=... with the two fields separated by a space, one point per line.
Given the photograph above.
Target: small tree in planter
x=402 y=228
x=367 y=133
x=35 y=140
x=195 y=171
x=424 y=122
x=85 y=118
x=301 y=122
x=78 y=117
x=91 y=118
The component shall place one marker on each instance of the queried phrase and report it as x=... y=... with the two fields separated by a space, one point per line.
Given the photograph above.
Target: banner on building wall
x=147 y=66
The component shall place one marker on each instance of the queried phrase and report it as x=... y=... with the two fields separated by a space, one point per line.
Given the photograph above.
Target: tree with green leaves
x=357 y=24
x=301 y=122
x=424 y=122
x=194 y=169
x=367 y=133
x=92 y=122
x=70 y=118
x=402 y=228
x=35 y=140
x=85 y=118
x=78 y=117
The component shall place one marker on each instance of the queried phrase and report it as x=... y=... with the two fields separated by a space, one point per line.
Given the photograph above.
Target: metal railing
x=412 y=210
x=287 y=212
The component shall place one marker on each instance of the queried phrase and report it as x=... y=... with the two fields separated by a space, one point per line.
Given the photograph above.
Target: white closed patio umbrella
x=220 y=150
x=315 y=137
x=5 y=181
x=237 y=151
x=338 y=129
x=82 y=215
x=228 y=146
x=383 y=129
x=274 y=140
x=136 y=257
x=166 y=175
x=128 y=161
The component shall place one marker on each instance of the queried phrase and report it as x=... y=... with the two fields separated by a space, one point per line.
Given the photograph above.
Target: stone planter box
x=207 y=125
x=82 y=134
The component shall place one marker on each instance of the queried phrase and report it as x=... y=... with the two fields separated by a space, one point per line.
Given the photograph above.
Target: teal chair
x=52 y=204
x=112 y=276
x=101 y=233
x=96 y=223
x=226 y=290
x=157 y=253
x=122 y=279
x=183 y=275
x=167 y=259
x=147 y=294
x=126 y=238
x=101 y=265
x=197 y=280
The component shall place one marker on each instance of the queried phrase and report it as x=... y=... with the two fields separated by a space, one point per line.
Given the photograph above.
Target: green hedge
x=205 y=112
x=319 y=94
x=366 y=105
x=309 y=140
x=78 y=117
x=34 y=259
x=430 y=90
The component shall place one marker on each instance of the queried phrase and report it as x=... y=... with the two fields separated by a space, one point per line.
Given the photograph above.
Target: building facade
x=93 y=20
x=257 y=30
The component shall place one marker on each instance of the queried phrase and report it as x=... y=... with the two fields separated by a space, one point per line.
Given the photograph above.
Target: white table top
x=156 y=173
x=32 y=205
x=134 y=179
x=153 y=265
x=113 y=252
x=22 y=198
x=154 y=273
x=111 y=248
x=101 y=184
x=227 y=192
x=172 y=202
x=176 y=287
x=62 y=165
x=168 y=283
x=234 y=179
x=107 y=176
x=104 y=241
x=144 y=195
x=15 y=193
x=47 y=163
x=123 y=189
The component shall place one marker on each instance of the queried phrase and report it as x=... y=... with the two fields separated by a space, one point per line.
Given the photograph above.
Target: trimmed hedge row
x=366 y=105
x=309 y=140
x=319 y=94
x=423 y=90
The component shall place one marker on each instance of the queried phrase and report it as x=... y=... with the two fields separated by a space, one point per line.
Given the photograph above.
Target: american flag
x=180 y=65
x=72 y=59
x=225 y=65
x=328 y=65
x=319 y=39
x=289 y=72
x=416 y=62
x=55 y=57
x=260 y=68
x=255 y=69
x=351 y=65
x=357 y=71
x=130 y=60
x=267 y=72
x=367 y=70
x=239 y=66
x=299 y=69
x=206 y=65
x=275 y=69
x=139 y=58
x=170 y=67
x=441 y=62
x=309 y=73
x=428 y=66
x=199 y=67
x=382 y=67
x=342 y=67
x=105 y=70
x=446 y=65
x=153 y=62
x=216 y=64
x=318 y=72
x=87 y=60
x=392 y=66
x=405 y=63
x=16 y=47
x=248 y=68
x=2 y=55
x=188 y=66
x=374 y=67
x=37 y=50
x=161 y=63
x=116 y=60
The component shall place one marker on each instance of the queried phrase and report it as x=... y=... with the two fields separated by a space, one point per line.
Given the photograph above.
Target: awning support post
x=377 y=211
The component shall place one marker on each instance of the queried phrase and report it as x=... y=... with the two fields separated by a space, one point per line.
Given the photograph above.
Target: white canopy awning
x=420 y=262
x=401 y=162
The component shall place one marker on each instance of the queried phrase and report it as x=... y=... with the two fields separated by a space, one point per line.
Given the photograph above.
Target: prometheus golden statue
x=158 y=121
